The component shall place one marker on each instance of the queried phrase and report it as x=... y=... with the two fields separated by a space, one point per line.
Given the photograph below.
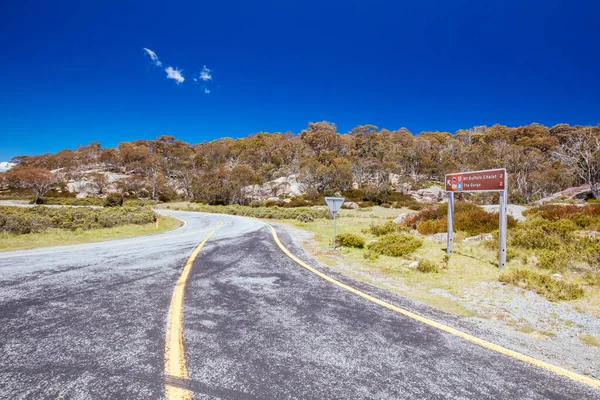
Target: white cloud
x=175 y=74
x=153 y=57
x=207 y=91
x=205 y=74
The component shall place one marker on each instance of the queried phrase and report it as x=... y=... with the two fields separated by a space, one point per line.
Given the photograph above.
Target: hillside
x=321 y=161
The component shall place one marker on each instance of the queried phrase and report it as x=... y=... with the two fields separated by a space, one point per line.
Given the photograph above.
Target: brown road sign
x=477 y=181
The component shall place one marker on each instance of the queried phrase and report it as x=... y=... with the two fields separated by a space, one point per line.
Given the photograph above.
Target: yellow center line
x=175 y=363
x=481 y=342
x=107 y=244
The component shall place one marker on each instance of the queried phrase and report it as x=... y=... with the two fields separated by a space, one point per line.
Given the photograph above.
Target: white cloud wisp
x=175 y=74
x=153 y=57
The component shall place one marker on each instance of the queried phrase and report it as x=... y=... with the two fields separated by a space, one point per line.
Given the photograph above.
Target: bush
x=267 y=212
x=427 y=266
x=555 y=261
x=383 y=229
x=113 y=200
x=396 y=244
x=306 y=217
x=370 y=255
x=540 y=233
x=468 y=217
x=19 y=220
x=542 y=284
x=350 y=240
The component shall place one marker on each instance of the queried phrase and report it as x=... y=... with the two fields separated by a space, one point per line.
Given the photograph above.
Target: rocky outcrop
x=280 y=187
x=431 y=194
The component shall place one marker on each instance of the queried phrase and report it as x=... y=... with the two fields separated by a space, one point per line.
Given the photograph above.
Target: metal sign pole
x=450 y=237
x=334 y=223
x=502 y=225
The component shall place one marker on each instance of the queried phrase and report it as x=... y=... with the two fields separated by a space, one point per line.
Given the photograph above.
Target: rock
x=439 y=237
x=284 y=186
x=557 y=276
x=273 y=199
x=484 y=236
x=400 y=218
x=350 y=205
x=413 y=265
x=287 y=200
x=434 y=193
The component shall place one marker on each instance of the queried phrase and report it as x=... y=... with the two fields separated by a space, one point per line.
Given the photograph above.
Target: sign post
x=334 y=204
x=493 y=180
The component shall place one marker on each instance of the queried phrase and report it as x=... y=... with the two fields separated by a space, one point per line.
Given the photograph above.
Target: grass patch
x=590 y=340
x=61 y=237
x=542 y=284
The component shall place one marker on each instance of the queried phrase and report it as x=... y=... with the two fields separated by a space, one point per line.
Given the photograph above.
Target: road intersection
x=233 y=318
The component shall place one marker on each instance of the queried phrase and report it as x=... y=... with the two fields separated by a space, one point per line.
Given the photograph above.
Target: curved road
x=90 y=322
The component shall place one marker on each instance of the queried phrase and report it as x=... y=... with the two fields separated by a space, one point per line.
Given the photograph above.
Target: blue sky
x=73 y=72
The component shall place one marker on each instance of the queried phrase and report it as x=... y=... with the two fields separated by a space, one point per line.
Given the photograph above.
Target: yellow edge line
x=175 y=364
x=88 y=246
x=483 y=343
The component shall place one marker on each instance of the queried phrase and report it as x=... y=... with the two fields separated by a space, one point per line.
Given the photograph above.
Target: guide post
x=334 y=204
x=493 y=180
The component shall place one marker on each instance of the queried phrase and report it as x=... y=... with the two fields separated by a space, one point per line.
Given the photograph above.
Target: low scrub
x=268 y=212
x=350 y=240
x=540 y=233
x=21 y=220
x=94 y=201
x=427 y=266
x=396 y=244
x=468 y=217
x=555 y=212
x=385 y=228
x=543 y=284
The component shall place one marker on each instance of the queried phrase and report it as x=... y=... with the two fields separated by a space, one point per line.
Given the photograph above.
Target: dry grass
x=60 y=237
x=590 y=340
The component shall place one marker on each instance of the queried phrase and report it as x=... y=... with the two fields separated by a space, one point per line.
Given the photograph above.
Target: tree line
x=540 y=161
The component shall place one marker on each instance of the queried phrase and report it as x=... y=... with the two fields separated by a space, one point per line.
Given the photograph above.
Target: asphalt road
x=89 y=322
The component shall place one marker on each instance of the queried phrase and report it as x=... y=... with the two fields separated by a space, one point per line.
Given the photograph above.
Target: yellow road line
x=175 y=364
x=484 y=343
x=106 y=244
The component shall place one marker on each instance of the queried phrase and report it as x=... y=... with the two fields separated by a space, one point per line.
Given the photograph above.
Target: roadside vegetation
x=555 y=252
x=25 y=220
x=62 y=237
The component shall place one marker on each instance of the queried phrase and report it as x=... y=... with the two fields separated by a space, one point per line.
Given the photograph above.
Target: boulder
x=400 y=218
x=433 y=193
x=350 y=205
x=484 y=236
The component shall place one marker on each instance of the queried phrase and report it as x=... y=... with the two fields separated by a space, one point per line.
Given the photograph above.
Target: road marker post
x=334 y=204
x=491 y=180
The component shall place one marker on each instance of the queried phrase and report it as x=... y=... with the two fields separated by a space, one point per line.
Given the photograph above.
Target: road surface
x=90 y=322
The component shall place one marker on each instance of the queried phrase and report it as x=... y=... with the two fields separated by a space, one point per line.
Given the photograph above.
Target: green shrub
x=383 y=229
x=542 y=284
x=113 y=200
x=19 y=220
x=306 y=217
x=350 y=240
x=427 y=266
x=396 y=244
x=592 y=279
x=370 y=255
x=555 y=261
